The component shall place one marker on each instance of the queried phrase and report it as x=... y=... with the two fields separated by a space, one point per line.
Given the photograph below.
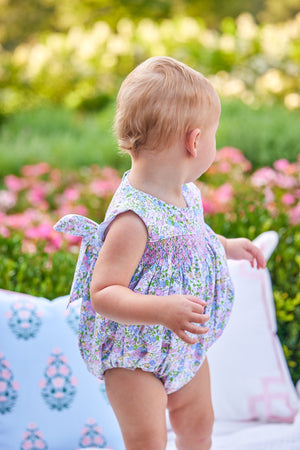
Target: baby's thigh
x=190 y=408
x=139 y=401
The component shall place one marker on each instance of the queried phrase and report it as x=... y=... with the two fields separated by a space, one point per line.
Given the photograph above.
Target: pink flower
x=294 y=214
x=80 y=209
x=287 y=199
x=233 y=154
x=263 y=176
x=35 y=170
x=100 y=187
x=281 y=164
x=42 y=231
x=27 y=445
x=224 y=193
x=71 y=194
x=4 y=231
x=8 y=199
x=28 y=247
x=269 y=195
x=224 y=167
x=208 y=206
x=285 y=181
x=15 y=183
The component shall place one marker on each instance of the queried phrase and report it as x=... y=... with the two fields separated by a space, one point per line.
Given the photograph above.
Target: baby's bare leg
x=139 y=401
x=191 y=412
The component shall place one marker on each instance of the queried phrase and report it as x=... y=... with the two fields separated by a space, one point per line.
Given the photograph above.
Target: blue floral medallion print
x=58 y=388
x=33 y=439
x=8 y=386
x=92 y=436
x=24 y=319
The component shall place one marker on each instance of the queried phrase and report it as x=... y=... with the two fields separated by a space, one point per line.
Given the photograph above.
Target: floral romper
x=182 y=256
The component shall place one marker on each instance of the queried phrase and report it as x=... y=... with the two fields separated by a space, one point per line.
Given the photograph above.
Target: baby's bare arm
x=121 y=253
x=242 y=248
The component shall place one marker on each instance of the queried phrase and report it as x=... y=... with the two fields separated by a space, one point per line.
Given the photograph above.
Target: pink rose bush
x=33 y=201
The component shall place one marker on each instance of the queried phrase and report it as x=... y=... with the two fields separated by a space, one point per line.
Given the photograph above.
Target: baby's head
x=159 y=102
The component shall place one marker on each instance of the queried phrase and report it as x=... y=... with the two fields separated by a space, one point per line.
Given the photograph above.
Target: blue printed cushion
x=48 y=399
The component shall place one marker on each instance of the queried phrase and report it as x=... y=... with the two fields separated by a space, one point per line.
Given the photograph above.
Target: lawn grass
x=70 y=139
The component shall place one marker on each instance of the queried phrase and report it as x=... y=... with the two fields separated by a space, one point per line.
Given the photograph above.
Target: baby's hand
x=242 y=248
x=181 y=313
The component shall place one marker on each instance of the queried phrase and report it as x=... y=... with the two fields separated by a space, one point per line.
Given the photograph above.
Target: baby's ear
x=192 y=141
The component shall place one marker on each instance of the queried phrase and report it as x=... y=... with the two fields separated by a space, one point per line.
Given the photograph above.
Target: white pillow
x=48 y=399
x=249 y=374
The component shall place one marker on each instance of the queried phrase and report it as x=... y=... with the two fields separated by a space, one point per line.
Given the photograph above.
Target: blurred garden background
x=61 y=64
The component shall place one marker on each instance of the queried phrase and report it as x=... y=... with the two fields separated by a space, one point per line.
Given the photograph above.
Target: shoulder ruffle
x=92 y=240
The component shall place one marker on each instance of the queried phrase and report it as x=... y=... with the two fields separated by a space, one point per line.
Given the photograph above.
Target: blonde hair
x=159 y=101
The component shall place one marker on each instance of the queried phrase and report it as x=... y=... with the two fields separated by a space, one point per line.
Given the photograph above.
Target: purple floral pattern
x=184 y=256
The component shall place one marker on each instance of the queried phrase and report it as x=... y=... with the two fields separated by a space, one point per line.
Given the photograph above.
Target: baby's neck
x=159 y=178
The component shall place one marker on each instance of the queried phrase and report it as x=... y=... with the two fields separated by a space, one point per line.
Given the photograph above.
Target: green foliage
x=250 y=218
x=21 y=21
x=64 y=138
x=264 y=134
x=39 y=273
x=82 y=65
x=70 y=139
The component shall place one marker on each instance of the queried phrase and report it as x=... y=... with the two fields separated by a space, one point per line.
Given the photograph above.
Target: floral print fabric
x=182 y=256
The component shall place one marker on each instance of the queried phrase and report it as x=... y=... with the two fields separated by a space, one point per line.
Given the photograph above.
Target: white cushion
x=249 y=374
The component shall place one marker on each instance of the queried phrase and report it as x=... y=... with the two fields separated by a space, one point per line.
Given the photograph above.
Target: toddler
x=158 y=294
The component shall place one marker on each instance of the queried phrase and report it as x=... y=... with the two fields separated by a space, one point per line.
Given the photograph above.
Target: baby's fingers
x=195 y=329
x=186 y=338
x=191 y=328
x=199 y=318
x=195 y=299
